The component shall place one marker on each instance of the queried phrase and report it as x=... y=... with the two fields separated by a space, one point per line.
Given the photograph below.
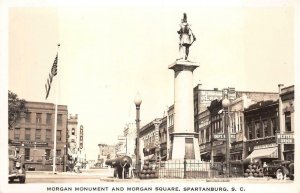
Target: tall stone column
x=185 y=142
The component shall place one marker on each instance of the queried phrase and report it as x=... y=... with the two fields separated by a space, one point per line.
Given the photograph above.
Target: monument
x=185 y=139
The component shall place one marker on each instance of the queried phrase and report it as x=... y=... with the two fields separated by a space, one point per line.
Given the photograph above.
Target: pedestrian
x=77 y=167
x=281 y=173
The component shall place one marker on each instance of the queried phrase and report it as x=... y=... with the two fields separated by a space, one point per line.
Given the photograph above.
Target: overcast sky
x=109 y=53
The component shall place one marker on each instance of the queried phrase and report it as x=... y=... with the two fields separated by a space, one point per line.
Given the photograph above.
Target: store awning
x=263 y=153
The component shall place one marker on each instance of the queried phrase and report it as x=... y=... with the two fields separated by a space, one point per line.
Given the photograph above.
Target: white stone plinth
x=178 y=150
x=183 y=108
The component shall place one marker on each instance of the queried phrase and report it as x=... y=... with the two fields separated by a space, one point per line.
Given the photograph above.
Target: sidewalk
x=203 y=180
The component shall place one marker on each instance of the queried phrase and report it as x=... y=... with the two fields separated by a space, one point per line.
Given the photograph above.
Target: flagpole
x=55 y=118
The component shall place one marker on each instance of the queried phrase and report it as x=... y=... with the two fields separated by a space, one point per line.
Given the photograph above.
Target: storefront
x=219 y=151
x=263 y=152
x=236 y=150
x=205 y=151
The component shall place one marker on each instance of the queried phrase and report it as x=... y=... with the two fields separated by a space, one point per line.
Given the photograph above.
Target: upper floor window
x=27 y=134
x=48 y=134
x=58 y=152
x=38 y=134
x=266 y=128
x=17 y=134
x=207 y=134
x=288 y=126
x=274 y=125
x=249 y=128
x=257 y=129
x=28 y=117
x=49 y=118
x=39 y=118
x=58 y=135
x=59 y=119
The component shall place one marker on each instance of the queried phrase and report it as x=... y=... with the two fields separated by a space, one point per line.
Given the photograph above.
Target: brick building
x=33 y=133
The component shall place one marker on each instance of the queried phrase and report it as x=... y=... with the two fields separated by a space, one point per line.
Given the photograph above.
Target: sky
x=110 y=53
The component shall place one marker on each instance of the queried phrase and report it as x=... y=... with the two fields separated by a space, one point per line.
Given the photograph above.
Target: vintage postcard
x=162 y=96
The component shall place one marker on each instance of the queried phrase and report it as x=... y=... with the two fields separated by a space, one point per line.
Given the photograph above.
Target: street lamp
x=225 y=105
x=138 y=102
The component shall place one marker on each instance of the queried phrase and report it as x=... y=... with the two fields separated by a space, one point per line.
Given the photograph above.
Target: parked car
x=16 y=166
x=277 y=168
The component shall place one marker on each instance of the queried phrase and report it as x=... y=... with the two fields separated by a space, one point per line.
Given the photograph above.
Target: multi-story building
x=204 y=135
x=164 y=139
x=287 y=97
x=105 y=152
x=266 y=139
x=170 y=127
x=75 y=139
x=262 y=124
x=149 y=141
x=33 y=133
x=216 y=147
x=202 y=99
x=130 y=139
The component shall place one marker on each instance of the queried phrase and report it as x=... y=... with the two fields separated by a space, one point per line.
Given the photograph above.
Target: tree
x=16 y=107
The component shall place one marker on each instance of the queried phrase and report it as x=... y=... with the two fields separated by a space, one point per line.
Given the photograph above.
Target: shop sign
x=265 y=146
x=222 y=136
x=286 y=138
x=29 y=143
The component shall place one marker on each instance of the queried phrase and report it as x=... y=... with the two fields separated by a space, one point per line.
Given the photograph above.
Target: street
x=87 y=176
x=106 y=175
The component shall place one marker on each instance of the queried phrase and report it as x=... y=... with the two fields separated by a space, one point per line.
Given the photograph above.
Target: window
x=171 y=120
x=27 y=154
x=59 y=119
x=47 y=154
x=288 y=126
x=73 y=131
x=49 y=118
x=28 y=118
x=207 y=135
x=249 y=128
x=58 y=135
x=17 y=134
x=58 y=152
x=266 y=128
x=39 y=118
x=257 y=130
x=48 y=134
x=38 y=134
x=27 y=134
x=274 y=125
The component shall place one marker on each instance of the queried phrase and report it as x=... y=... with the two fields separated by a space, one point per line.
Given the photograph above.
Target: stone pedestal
x=185 y=142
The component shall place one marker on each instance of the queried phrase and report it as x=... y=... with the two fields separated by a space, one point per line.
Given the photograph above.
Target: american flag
x=51 y=75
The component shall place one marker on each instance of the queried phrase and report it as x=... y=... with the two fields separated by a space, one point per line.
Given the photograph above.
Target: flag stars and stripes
x=51 y=75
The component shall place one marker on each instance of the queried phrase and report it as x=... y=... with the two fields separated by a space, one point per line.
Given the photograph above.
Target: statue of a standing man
x=186 y=38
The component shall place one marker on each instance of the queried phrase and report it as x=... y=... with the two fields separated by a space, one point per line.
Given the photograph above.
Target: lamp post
x=281 y=126
x=225 y=105
x=138 y=102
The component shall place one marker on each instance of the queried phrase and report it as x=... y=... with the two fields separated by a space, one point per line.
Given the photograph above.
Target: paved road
x=87 y=176
x=105 y=175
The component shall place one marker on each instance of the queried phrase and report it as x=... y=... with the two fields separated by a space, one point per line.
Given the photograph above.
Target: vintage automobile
x=277 y=167
x=16 y=166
